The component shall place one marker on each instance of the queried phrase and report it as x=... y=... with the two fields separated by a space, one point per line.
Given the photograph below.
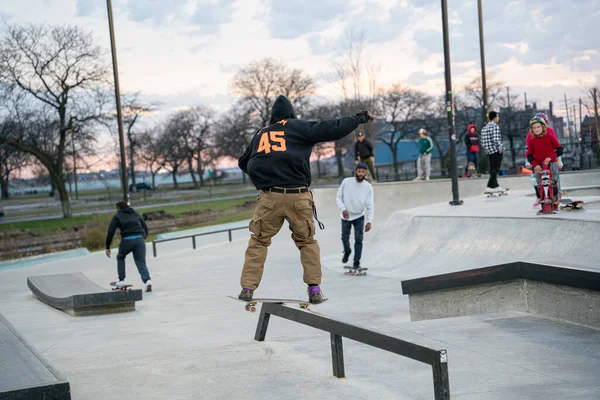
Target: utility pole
x=450 y=107
x=482 y=55
x=567 y=109
x=118 y=102
x=580 y=121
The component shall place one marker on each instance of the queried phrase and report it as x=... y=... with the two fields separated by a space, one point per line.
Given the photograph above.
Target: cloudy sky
x=185 y=52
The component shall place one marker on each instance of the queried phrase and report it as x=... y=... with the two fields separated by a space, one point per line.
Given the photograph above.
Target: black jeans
x=495 y=164
x=138 y=248
x=359 y=228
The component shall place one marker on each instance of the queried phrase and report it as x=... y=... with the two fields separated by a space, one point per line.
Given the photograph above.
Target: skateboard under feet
x=115 y=287
x=251 y=304
x=355 y=271
x=497 y=194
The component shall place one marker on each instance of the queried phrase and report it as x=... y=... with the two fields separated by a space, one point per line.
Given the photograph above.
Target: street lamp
x=450 y=107
x=118 y=102
x=482 y=54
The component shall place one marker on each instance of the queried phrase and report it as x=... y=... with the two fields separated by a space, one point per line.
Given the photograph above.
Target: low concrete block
x=76 y=295
x=575 y=305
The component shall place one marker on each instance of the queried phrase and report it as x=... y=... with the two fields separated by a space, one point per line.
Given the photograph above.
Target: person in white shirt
x=354 y=196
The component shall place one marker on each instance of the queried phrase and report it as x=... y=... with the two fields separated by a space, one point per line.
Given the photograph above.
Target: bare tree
x=133 y=110
x=11 y=160
x=350 y=66
x=592 y=103
x=401 y=106
x=59 y=68
x=259 y=83
x=173 y=147
x=152 y=154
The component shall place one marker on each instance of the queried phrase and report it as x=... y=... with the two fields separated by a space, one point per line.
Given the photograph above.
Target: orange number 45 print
x=277 y=137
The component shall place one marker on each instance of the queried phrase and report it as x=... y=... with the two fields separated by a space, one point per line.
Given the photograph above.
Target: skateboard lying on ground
x=251 y=304
x=499 y=193
x=115 y=287
x=355 y=271
x=571 y=205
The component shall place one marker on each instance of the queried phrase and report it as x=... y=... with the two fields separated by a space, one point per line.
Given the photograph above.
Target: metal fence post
x=194 y=242
x=229 y=231
x=154 y=248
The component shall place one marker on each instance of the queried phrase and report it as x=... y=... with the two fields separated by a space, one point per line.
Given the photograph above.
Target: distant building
x=589 y=132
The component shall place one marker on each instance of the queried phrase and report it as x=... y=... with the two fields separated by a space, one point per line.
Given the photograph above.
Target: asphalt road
x=7 y=219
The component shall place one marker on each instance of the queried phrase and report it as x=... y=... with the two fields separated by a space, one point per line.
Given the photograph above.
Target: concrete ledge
x=76 y=295
x=563 y=293
x=26 y=374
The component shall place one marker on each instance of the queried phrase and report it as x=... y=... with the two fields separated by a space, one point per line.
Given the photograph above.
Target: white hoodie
x=355 y=197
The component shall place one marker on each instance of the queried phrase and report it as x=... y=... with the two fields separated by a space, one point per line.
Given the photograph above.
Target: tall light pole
x=482 y=53
x=118 y=102
x=450 y=107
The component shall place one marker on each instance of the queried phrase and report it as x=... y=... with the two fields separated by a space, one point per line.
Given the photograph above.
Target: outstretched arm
x=334 y=129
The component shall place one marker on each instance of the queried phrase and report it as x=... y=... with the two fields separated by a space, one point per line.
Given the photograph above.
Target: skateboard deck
x=355 y=271
x=114 y=286
x=571 y=205
x=498 y=194
x=251 y=304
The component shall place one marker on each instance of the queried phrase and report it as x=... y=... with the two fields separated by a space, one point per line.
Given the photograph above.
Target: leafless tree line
x=56 y=97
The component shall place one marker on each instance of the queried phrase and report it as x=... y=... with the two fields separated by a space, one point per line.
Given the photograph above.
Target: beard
x=360 y=178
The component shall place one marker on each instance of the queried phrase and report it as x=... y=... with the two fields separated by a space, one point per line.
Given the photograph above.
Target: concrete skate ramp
x=75 y=294
x=26 y=374
x=410 y=246
x=396 y=196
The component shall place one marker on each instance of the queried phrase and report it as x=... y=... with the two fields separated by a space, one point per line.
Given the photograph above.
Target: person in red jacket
x=472 y=145
x=549 y=131
x=542 y=150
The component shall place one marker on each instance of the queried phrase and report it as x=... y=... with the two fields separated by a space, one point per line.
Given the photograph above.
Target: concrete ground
x=186 y=340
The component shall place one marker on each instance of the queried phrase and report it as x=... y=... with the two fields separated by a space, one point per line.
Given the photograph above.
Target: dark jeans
x=138 y=248
x=471 y=157
x=495 y=164
x=359 y=227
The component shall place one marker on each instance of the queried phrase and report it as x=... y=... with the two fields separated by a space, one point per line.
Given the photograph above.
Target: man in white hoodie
x=355 y=195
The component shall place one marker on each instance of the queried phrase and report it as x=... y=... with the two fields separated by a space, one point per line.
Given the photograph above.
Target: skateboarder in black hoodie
x=278 y=163
x=133 y=232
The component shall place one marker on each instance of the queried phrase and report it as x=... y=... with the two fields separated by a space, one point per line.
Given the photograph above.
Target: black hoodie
x=279 y=154
x=129 y=222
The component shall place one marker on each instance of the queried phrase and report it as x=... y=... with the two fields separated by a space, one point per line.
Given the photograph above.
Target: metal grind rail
x=436 y=358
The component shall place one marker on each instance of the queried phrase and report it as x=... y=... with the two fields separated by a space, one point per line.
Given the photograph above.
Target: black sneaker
x=246 y=294
x=346 y=257
x=356 y=266
x=315 y=295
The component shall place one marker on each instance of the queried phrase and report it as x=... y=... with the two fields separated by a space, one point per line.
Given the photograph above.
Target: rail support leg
x=441 y=383
x=263 y=324
x=337 y=356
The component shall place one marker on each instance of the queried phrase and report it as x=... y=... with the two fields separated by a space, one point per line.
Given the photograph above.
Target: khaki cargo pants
x=272 y=209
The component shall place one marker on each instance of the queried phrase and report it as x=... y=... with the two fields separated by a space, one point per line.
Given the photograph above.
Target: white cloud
x=186 y=50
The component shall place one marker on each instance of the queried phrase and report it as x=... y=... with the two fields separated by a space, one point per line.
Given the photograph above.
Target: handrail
x=436 y=358
x=229 y=230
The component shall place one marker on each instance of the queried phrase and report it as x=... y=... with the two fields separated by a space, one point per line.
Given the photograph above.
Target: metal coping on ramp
x=26 y=374
x=76 y=295
x=578 y=278
x=568 y=294
x=337 y=329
